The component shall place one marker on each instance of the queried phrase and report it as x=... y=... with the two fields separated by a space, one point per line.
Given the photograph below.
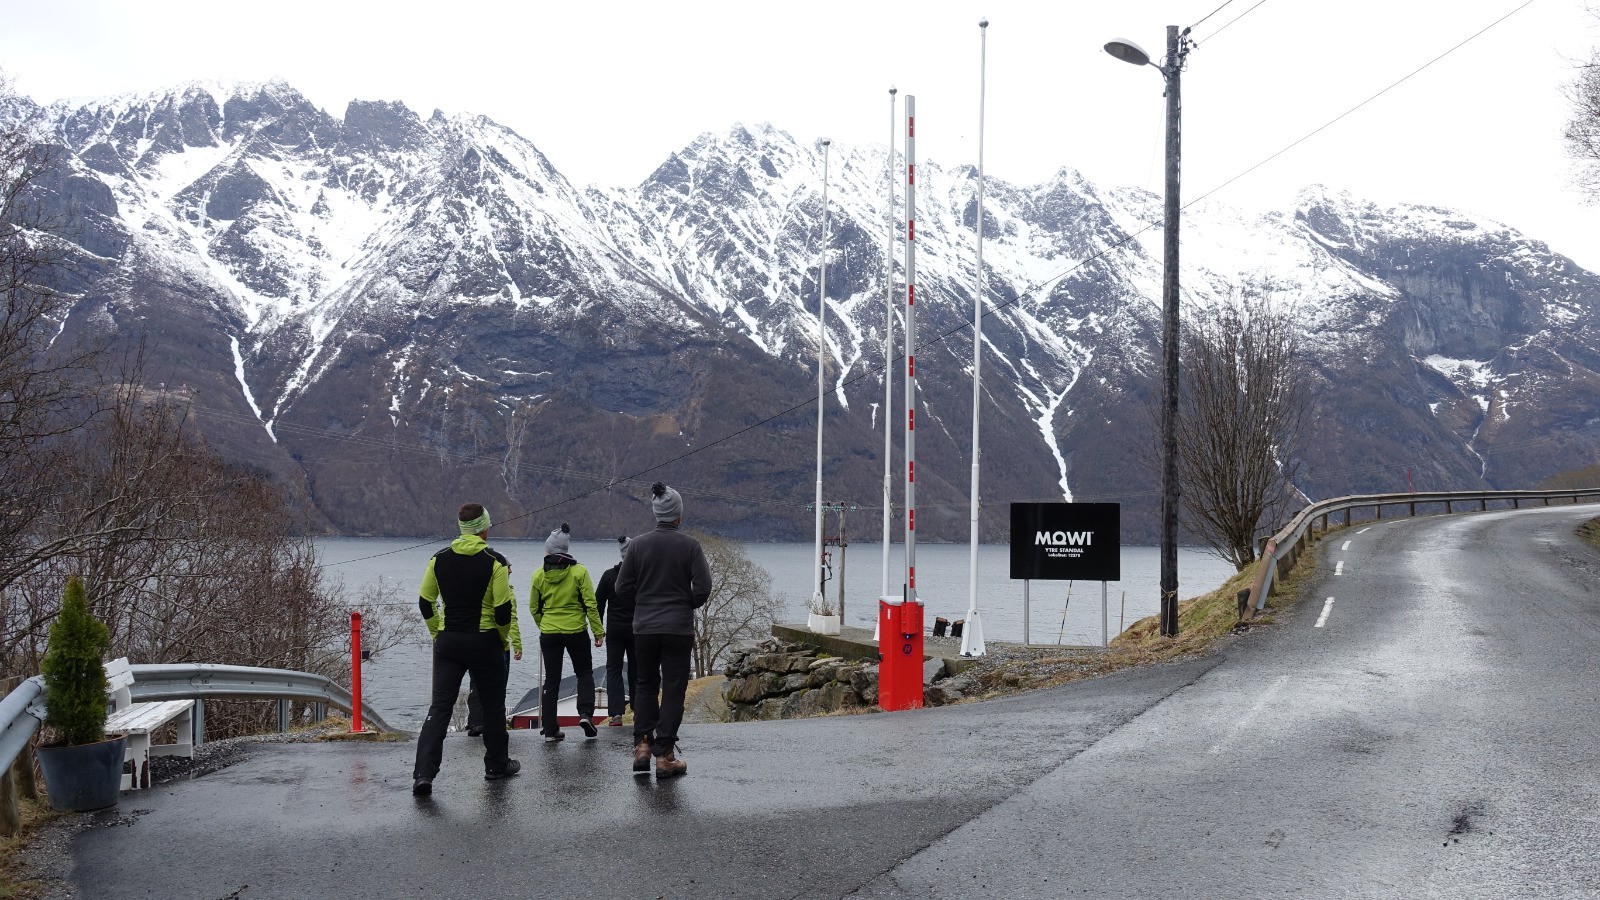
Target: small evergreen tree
x=74 y=676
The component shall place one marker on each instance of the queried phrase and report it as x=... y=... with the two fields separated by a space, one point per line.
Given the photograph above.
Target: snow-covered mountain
x=398 y=312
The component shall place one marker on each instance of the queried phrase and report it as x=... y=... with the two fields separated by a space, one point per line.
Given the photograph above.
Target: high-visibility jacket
x=467 y=587
x=561 y=598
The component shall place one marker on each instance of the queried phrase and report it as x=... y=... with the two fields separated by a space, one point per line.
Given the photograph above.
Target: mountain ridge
x=423 y=283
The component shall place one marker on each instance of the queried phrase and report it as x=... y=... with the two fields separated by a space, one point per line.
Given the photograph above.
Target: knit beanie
x=667 y=504
x=559 y=542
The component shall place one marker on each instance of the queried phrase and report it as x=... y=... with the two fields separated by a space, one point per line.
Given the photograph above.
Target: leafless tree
x=1583 y=128
x=185 y=557
x=742 y=607
x=1244 y=398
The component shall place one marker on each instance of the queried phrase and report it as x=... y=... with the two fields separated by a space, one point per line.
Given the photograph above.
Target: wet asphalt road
x=1439 y=735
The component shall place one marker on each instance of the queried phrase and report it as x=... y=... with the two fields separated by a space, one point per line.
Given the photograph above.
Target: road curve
x=1437 y=734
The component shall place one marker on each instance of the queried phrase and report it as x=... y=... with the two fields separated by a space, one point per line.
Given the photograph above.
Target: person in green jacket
x=564 y=609
x=467 y=603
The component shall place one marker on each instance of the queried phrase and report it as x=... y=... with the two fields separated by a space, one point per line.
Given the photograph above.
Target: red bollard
x=900 y=655
x=355 y=671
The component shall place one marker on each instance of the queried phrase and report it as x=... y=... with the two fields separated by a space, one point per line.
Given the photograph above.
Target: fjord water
x=397 y=680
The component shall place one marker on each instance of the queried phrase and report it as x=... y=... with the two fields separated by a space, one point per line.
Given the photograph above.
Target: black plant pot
x=84 y=777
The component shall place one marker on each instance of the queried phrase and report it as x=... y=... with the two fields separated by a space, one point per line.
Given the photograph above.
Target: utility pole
x=1127 y=51
x=842 y=545
x=1173 y=71
x=839 y=540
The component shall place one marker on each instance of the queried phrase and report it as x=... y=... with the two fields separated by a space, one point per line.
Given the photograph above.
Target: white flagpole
x=972 y=635
x=911 y=349
x=888 y=361
x=822 y=367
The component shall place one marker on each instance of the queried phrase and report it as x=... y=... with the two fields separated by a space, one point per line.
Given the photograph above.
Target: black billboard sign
x=1066 y=541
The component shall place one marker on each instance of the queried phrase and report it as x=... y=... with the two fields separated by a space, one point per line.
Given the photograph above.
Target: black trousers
x=619 y=648
x=552 y=646
x=455 y=653
x=475 y=705
x=664 y=667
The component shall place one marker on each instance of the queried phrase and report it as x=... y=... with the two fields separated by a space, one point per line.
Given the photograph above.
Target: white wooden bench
x=139 y=720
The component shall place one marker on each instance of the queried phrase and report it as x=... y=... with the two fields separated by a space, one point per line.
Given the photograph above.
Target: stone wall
x=777 y=679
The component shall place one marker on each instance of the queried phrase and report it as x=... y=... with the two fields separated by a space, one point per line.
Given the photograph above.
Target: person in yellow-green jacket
x=564 y=608
x=467 y=602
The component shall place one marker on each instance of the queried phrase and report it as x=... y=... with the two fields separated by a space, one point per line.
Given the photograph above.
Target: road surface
x=1434 y=730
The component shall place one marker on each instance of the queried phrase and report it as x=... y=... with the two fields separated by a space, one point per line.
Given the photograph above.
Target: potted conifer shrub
x=83 y=770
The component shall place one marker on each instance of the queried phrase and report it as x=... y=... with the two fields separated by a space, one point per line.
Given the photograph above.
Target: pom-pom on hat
x=559 y=543
x=623 y=543
x=666 y=504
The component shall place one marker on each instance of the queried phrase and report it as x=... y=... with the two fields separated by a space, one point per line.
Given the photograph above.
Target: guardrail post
x=1347 y=517
x=283 y=716
x=10 y=813
x=1449 y=506
x=1547 y=501
x=1378 y=509
x=355 y=670
x=1413 y=505
x=1324 y=523
x=1516 y=503
x=199 y=722
x=1483 y=504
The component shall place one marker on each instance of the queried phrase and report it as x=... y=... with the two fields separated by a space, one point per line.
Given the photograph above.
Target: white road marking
x=1338 y=567
x=1346 y=545
x=1247 y=718
x=1364 y=530
x=1326 y=608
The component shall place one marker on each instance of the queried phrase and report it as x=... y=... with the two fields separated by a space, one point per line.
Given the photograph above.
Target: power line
x=1352 y=109
x=1225 y=25
x=1209 y=15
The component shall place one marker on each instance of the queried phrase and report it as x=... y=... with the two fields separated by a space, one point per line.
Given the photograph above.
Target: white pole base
x=972 y=635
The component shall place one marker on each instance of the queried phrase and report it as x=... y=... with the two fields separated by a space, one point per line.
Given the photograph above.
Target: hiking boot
x=641 y=756
x=587 y=725
x=422 y=787
x=552 y=737
x=511 y=768
x=670 y=766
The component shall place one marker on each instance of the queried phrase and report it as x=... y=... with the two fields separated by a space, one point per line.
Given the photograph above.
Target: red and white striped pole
x=355 y=670
x=900 y=619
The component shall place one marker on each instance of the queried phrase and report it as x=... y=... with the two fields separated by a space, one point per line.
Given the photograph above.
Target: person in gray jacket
x=665 y=578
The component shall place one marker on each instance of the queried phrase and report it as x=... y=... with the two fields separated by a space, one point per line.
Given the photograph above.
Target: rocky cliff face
x=395 y=313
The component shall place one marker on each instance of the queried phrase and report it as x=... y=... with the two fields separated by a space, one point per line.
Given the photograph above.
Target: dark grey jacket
x=665 y=578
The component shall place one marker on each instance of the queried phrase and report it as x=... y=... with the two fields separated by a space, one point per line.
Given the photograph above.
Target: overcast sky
x=608 y=90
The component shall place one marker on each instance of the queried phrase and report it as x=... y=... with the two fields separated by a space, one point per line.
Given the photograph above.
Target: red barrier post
x=355 y=670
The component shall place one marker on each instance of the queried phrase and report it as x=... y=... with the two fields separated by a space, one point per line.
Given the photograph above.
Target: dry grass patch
x=14 y=874
x=1590 y=531
x=1201 y=621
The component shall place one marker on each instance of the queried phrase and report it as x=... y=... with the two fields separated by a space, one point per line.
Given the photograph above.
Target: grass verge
x=14 y=880
x=1590 y=531
x=1202 y=621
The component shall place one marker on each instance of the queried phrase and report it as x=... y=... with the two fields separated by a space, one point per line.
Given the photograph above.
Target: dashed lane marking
x=1364 y=530
x=1346 y=546
x=1326 y=609
x=1338 y=567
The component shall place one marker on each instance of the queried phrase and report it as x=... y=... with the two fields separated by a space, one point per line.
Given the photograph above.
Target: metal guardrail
x=20 y=714
x=209 y=681
x=23 y=709
x=1282 y=550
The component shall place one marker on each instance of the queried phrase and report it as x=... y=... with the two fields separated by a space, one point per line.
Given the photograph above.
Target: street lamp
x=1171 y=72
